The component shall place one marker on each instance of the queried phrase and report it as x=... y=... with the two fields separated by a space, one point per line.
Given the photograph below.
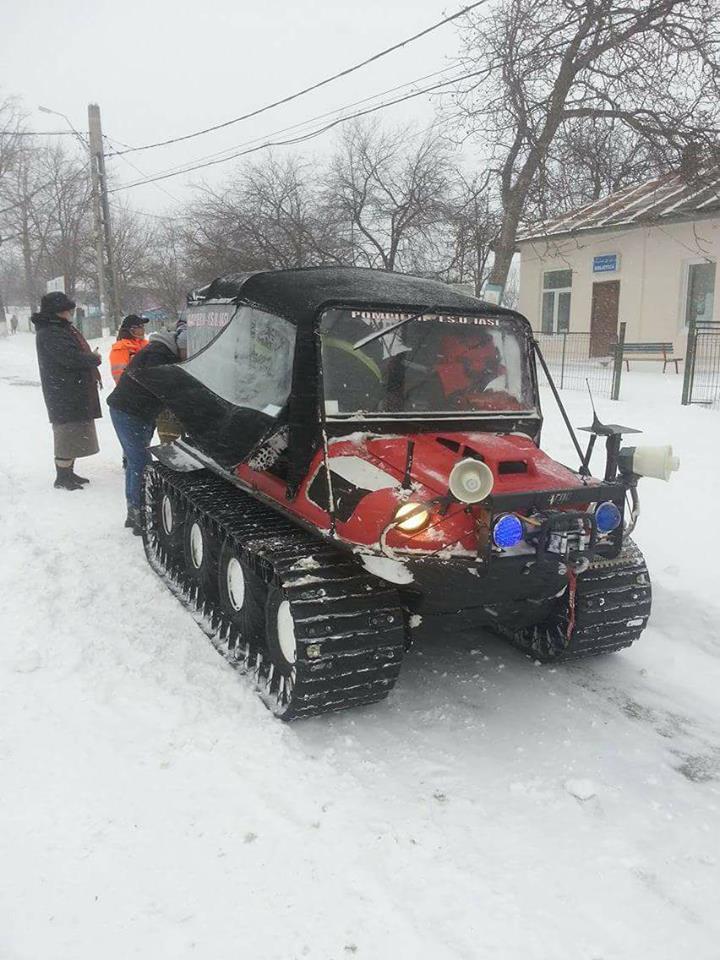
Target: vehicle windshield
x=434 y=363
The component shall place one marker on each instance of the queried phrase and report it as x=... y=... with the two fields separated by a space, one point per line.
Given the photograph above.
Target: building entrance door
x=604 y=318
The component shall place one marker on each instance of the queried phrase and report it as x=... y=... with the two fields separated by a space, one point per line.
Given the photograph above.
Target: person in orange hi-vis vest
x=130 y=340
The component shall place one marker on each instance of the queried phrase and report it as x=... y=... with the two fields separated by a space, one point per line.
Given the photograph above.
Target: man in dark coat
x=134 y=411
x=70 y=378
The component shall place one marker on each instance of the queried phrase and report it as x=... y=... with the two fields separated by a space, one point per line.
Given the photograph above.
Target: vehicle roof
x=299 y=294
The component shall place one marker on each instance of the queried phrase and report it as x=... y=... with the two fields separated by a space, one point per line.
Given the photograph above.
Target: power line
x=303 y=138
x=138 y=170
x=315 y=86
x=37 y=133
x=223 y=154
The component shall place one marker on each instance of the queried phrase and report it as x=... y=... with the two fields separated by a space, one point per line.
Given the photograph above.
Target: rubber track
x=356 y=619
x=612 y=607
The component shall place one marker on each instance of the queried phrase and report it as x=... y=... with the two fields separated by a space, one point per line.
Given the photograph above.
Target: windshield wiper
x=376 y=334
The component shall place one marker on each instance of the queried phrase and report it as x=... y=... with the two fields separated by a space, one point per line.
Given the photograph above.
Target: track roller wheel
x=169 y=524
x=200 y=550
x=242 y=597
x=280 y=632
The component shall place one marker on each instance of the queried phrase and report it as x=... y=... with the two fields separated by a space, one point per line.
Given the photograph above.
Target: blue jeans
x=134 y=436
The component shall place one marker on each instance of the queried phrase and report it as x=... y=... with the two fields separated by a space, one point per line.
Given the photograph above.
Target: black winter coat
x=68 y=371
x=132 y=397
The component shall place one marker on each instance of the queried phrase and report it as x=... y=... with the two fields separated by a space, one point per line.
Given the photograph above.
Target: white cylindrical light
x=471 y=480
x=656 y=462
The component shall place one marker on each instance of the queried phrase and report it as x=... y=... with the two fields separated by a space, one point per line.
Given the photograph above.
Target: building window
x=556 y=301
x=700 y=302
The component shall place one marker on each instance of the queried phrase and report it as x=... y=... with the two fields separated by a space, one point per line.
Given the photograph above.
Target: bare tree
x=589 y=159
x=268 y=215
x=650 y=66
x=46 y=208
x=167 y=278
x=63 y=216
x=472 y=225
x=12 y=129
x=387 y=189
x=11 y=139
x=135 y=238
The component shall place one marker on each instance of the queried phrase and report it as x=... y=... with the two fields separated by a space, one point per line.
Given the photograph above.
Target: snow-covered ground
x=151 y=807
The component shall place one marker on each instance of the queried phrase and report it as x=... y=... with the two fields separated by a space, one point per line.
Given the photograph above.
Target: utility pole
x=103 y=230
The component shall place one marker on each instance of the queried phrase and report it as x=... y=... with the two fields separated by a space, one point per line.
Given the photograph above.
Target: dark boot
x=76 y=478
x=134 y=520
x=65 y=479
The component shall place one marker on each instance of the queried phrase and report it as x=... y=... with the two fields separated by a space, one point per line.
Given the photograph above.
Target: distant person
x=70 y=379
x=13 y=324
x=130 y=340
x=134 y=411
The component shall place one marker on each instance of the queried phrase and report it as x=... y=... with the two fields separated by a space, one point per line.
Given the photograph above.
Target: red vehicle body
x=453 y=530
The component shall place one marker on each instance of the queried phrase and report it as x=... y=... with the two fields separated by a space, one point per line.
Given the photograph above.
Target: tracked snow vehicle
x=361 y=448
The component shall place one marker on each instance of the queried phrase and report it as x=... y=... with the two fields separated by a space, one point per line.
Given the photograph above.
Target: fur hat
x=56 y=302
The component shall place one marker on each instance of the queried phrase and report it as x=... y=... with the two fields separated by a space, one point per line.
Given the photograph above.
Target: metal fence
x=576 y=360
x=702 y=364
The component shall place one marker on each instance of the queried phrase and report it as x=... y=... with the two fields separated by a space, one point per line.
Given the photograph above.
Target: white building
x=646 y=255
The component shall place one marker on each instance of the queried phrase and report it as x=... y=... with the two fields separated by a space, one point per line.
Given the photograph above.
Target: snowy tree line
x=564 y=101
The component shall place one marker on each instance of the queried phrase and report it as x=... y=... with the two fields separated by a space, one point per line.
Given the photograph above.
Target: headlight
x=411 y=517
x=507 y=531
x=607 y=517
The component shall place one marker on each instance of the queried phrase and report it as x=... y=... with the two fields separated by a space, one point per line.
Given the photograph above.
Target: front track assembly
x=314 y=630
x=603 y=609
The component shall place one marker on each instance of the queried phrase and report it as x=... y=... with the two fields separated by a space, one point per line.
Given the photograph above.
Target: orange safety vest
x=122 y=352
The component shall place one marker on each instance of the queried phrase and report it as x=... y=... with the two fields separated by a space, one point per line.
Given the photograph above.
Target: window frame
x=685 y=289
x=188 y=362
x=556 y=293
x=524 y=338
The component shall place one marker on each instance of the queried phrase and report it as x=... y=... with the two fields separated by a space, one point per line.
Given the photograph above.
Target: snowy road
x=152 y=808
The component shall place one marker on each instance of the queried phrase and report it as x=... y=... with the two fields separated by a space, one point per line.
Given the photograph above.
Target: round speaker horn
x=471 y=481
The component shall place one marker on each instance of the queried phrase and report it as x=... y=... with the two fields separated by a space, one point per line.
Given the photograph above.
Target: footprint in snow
x=581 y=789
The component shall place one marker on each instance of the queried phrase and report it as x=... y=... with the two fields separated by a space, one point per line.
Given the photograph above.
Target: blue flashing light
x=508 y=531
x=607 y=517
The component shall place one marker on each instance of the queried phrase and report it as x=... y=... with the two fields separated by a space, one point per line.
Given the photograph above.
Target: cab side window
x=250 y=363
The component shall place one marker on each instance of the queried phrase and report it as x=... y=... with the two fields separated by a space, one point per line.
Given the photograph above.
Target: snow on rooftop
x=670 y=197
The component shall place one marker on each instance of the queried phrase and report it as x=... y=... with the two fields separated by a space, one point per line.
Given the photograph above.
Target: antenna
x=592 y=402
x=613 y=434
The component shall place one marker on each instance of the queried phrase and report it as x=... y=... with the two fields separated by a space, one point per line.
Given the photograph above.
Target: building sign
x=492 y=292
x=606 y=263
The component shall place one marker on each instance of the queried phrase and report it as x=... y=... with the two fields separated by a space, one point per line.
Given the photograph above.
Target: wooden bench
x=651 y=351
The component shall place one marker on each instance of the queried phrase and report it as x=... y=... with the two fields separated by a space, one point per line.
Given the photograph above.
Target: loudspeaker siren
x=471 y=481
x=646 y=461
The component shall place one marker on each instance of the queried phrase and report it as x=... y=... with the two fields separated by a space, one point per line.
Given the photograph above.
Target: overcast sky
x=163 y=68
